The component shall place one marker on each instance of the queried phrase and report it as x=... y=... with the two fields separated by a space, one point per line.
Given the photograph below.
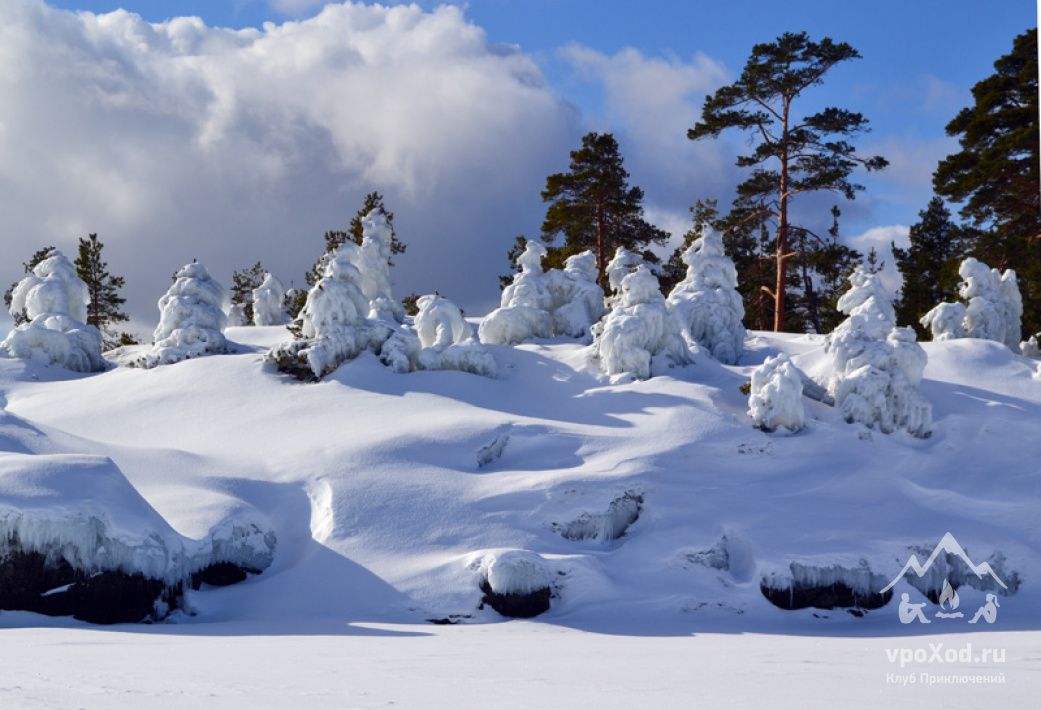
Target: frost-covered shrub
x=269 y=302
x=236 y=316
x=372 y=260
x=332 y=326
x=874 y=366
x=578 y=301
x=446 y=339
x=524 y=311
x=191 y=319
x=945 y=321
x=54 y=299
x=1030 y=347
x=994 y=311
x=640 y=334
x=707 y=302
x=775 y=399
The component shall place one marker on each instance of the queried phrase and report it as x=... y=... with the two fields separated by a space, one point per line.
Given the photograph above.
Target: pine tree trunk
x=601 y=257
x=782 y=230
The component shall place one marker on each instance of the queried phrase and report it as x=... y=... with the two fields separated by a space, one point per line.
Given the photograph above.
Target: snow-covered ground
x=370 y=481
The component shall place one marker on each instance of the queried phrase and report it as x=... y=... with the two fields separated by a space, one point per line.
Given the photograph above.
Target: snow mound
x=524 y=311
x=706 y=301
x=874 y=366
x=191 y=319
x=269 y=302
x=54 y=300
x=640 y=335
x=775 y=399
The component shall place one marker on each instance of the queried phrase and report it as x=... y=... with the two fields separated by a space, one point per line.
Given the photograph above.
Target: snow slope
x=370 y=480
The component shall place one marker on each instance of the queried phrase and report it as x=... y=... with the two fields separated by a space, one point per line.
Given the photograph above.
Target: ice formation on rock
x=54 y=299
x=775 y=399
x=525 y=305
x=825 y=586
x=191 y=319
x=639 y=335
x=269 y=302
x=875 y=366
x=707 y=302
x=516 y=583
x=994 y=311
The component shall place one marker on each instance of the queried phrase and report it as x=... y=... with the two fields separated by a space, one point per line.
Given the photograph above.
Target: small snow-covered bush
x=707 y=302
x=875 y=366
x=775 y=399
x=333 y=326
x=524 y=311
x=54 y=299
x=191 y=319
x=994 y=311
x=578 y=301
x=1030 y=347
x=446 y=339
x=640 y=334
x=269 y=302
x=372 y=260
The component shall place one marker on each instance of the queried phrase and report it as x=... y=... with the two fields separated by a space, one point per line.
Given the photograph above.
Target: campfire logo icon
x=948 y=598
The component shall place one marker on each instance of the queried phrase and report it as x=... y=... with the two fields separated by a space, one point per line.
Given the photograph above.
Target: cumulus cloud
x=881 y=239
x=177 y=140
x=651 y=102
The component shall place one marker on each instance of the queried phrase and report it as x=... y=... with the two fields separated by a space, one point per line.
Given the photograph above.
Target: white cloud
x=652 y=102
x=177 y=140
x=881 y=238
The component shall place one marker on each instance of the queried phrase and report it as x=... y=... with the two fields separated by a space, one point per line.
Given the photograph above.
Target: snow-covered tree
x=706 y=301
x=269 y=302
x=372 y=260
x=191 y=319
x=639 y=335
x=524 y=311
x=446 y=340
x=578 y=301
x=1031 y=347
x=994 y=310
x=623 y=263
x=874 y=366
x=775 y=398
x=54 y=300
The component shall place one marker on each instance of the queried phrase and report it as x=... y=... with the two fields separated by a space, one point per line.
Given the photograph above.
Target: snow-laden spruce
x=269 y=302
x=372 y=260
x=994 y=310
x=874 y=367
x=524 y=311
x=446 y=340
x=578 y=301
x=54 y=299
x=191 y=319
x=775 y=398
x=639 y=336
x=707 y=302
x=333 y=326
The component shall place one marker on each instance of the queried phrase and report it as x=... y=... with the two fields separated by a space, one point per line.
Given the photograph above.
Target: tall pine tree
x=995 y=175
x=105 y=308
x=793 y=154
x=929 y=264
x=593 y=206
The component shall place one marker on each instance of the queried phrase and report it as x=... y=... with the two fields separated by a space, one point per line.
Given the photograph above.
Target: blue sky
x=458 y=131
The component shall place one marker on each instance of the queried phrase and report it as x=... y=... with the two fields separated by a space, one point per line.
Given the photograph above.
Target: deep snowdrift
x=372 y=483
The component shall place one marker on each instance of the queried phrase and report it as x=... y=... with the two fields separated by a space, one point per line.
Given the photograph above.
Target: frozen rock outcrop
x=516 y=583
x=54 y=299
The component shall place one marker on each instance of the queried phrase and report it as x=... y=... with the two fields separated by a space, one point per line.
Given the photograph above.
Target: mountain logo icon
x=950 y=545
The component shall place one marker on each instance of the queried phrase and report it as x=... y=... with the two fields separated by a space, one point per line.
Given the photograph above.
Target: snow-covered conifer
x=578 y=301
x=707 y=302
x=639 y=334
x=269 y=302
x=775 y=399
x=446 y=339
x=623 y=263
x=54 y=299
x=372 y=260
x=524 y=312
x=875 y=366
x=1030 y=347
x=191 y=319
x=994 y=311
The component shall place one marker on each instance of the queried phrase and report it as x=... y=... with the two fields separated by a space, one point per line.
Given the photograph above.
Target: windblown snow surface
x=371 y=483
